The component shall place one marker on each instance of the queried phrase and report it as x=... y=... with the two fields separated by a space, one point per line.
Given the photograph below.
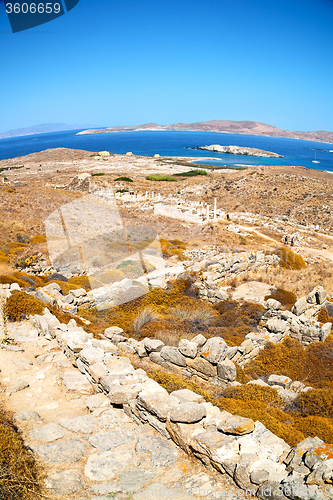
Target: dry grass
x=20 y=475
x=300 y=282
x=205 y=315
x=144 y=316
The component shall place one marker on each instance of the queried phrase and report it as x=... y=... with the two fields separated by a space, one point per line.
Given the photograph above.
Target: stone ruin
x=255 y=458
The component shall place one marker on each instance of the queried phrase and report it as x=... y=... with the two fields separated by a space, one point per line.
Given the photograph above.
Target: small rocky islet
x=239 y=150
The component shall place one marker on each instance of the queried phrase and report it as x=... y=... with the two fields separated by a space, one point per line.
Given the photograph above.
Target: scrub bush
x=286 y=298
x=20 y=475
x=20 y=305
x=289 y=259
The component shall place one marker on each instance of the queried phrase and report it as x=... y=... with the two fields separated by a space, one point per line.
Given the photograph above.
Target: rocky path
x=307 y=251
x=88 y=448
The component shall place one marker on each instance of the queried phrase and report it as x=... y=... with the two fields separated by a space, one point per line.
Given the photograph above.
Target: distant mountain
x=223 y=126
x=43 y=128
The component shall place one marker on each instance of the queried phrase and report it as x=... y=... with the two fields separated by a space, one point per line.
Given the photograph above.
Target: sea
x=179 y=143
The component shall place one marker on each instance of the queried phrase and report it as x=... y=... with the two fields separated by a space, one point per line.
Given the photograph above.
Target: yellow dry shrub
x=316 y=402
x=20 y=305
x=3 y=258
x=13 y=245
x=324 y=317
x=21 y=476
x=289 y=259
x=111 y=276
x=8 y=280
x=311 y=365
x=249 y=392
x=173 y=247
x=315 y=426
x=38 y=238
x=80 y=281
x=285 y=297
x=39 y=280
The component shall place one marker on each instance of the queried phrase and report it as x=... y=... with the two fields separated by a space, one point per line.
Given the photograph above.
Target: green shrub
x=192 y=173
x=316 y=402
x=99 y=174
x=160 y=177
x=123 y=179
x=144 y=316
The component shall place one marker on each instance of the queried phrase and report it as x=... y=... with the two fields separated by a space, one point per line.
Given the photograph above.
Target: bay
x=177 y=143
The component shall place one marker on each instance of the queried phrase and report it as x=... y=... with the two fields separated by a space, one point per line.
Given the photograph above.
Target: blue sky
x=129 y=62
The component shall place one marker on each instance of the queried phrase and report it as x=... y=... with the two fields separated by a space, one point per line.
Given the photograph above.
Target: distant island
x=42 y=128
x=237 y=150
x=223 y=126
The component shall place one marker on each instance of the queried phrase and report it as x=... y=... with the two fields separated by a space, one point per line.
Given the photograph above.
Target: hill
x=224 y=126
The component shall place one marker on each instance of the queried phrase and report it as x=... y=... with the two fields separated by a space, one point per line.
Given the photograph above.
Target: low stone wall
x=299 y=323
x=254 y=457
x=223 y=266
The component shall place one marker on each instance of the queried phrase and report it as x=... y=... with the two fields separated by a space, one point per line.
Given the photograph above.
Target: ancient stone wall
x=247 y=451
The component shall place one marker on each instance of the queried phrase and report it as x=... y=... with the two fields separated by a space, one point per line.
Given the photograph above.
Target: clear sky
x=129 y=62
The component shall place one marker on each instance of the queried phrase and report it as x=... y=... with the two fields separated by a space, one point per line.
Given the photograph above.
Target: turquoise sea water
x=148 y=143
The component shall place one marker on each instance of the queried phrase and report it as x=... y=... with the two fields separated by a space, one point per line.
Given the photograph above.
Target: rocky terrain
x=237 y=150
x=224 y=126
x=129 y=380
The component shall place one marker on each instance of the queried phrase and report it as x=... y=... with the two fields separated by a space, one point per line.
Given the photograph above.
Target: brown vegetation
x=20 y=476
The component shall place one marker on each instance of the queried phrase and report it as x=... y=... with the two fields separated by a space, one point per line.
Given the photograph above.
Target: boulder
x=214 y=350
x=73 y=380
x=279 y=380
x=113 y=330
x=27 y=416
x=172 y=355
x=188 y=413
x=324 y=331
x=276 y=325
x=273 y=304
x=300 y=306
x=187 y=396
x=236 y=425
x=200 y=340
x=117 y=366
x=57 y=277
x=188 y=348
x=160 y=405
x=153 y=345
x=92 y=355
x=221 y=295
x=226 y=370
x=79 y=292
x=203 y=366
x=47 y=433
x=84 y=424
x=321 y=295
x=271 y=491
